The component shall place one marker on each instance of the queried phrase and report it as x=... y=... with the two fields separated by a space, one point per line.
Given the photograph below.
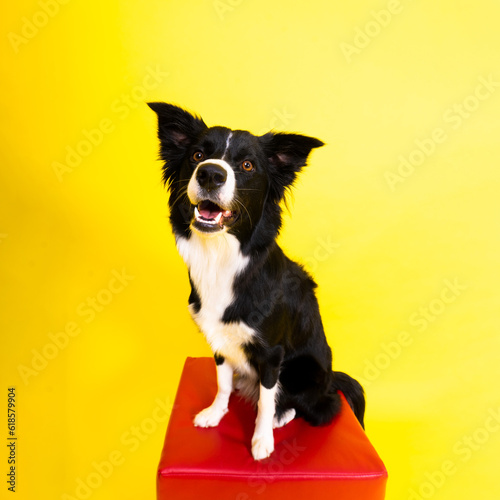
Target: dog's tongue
x=209 y=210
x=206 y=213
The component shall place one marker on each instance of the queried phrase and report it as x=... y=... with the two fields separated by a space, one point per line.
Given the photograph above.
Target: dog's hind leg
x=284 y=419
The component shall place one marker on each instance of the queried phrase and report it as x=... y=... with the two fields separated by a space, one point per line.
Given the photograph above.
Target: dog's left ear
x=287 y=154
x=177 y=129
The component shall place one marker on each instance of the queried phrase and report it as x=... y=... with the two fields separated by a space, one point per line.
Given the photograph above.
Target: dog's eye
x=247 y=166
x=198 y=156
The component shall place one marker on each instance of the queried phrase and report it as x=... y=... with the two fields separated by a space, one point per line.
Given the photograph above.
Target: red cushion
x=335 y=461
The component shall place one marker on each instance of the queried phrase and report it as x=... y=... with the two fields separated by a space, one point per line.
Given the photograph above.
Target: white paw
x=262 y=447
x=287 y=417
x=209 y=417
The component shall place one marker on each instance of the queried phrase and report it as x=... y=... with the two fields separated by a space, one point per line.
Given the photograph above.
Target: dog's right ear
x=177 y=129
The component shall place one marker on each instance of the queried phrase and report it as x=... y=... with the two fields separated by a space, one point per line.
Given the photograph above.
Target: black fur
x=273 y=295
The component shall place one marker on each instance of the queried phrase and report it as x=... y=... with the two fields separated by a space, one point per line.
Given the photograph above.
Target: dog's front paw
x=262 y=446
x=209 y=417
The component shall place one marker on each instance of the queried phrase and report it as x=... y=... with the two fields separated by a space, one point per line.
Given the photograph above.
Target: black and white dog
x=256 y=307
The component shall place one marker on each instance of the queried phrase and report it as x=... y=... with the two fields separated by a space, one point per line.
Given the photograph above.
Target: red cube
x=335 y=461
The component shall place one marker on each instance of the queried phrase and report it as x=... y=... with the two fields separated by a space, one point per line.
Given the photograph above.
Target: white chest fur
x=214 y=263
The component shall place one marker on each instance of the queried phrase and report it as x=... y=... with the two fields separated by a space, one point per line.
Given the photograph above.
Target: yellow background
x=420 y=256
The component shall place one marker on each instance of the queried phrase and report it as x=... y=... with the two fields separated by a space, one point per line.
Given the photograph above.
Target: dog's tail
x=314 y=392
x=352 y=391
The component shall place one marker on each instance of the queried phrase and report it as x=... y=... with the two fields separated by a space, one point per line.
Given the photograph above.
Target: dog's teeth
x=218 y=218
x=196 y=212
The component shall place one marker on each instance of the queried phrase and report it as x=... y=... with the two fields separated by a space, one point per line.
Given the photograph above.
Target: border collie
x=256 y=307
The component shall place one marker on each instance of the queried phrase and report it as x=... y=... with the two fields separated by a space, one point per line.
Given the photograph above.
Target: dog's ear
x=287 y=154
x=177 y=130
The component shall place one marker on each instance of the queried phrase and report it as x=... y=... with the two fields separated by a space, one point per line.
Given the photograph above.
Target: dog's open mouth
x=209 y=217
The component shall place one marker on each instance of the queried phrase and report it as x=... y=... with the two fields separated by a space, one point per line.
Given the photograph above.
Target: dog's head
x=226 y=180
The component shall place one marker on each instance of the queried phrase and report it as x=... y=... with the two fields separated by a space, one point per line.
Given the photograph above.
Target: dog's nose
x=211 y=176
